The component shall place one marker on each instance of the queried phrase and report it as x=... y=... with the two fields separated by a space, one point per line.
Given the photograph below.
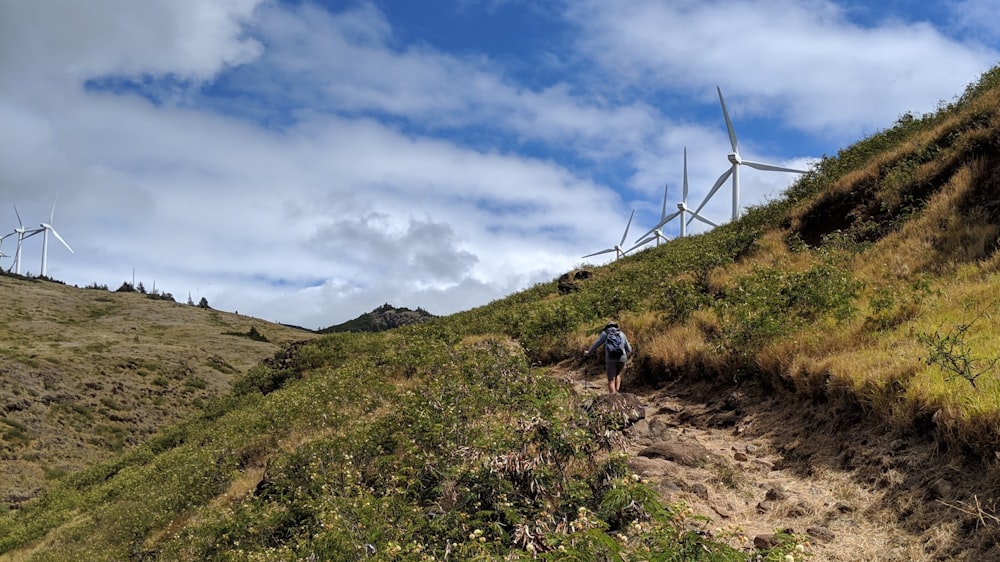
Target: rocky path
x=756 y=464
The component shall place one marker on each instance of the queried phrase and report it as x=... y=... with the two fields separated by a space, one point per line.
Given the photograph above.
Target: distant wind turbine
x=22 y=233
x=46 y=227
x=734 y=169
x=617 y=249
x=656 y=233
x=682 y=210
x=682 y=206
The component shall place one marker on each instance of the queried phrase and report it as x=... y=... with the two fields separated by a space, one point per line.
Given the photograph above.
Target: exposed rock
x=821 y=534
x=648 y=467
x=658 y=428
x=775 y=493
x=687 y=453
x=699 y=490
x=16 y=406
x=765 y=542
x=620 y=406
x=940 y=488
x=568 y=281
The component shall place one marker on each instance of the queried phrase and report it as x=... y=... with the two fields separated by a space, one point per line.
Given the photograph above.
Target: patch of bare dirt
x=757 y=461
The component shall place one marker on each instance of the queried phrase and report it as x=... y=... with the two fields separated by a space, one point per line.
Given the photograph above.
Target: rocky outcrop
x=385 y=317
x=569 y=282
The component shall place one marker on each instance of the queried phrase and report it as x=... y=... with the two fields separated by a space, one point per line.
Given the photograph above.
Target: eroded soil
x=754 y=462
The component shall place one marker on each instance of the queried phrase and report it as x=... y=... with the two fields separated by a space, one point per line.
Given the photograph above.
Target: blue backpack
x=614 y=343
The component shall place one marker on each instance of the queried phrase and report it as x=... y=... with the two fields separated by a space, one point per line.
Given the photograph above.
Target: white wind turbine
x=682 y=206
x=22 y=233
x=46 y=227
x=734 y=169
x=682 y=210
x=656 y=233
x=617 y=249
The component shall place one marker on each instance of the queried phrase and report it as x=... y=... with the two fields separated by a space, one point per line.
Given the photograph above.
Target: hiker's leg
x=612 y=372
x=621 y=371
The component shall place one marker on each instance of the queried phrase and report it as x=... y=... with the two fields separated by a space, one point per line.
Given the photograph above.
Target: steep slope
x=86 y=373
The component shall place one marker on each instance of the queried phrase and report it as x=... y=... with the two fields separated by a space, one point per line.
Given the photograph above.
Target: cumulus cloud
x=807 y=60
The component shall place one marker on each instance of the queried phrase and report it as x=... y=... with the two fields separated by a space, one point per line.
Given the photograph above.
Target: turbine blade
x=729 y=124
x=60 y=238
x=599 y=253
x=771 y=167
x=642 y=242
x=660 y=224
x=702 y=219
x=718 y=183
x=21 y=224
x=663 y=212
x=625 y=235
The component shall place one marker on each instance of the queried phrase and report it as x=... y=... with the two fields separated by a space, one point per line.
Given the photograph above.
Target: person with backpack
x=616 y=350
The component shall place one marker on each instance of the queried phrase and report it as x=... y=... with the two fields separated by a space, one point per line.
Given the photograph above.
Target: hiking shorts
x=615 y=367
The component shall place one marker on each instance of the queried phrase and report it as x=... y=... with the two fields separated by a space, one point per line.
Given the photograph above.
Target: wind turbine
x=617 y=249
x=46 y=227
x=734 y=169
x=682 y=210
x=682 y=207
x=22 y=233
x=656 y=233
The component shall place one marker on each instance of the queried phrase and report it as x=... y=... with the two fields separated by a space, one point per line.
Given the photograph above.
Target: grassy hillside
x=873 y=283
x=85 y=373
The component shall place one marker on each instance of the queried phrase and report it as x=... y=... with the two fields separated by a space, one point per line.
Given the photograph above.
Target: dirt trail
x=756 y=462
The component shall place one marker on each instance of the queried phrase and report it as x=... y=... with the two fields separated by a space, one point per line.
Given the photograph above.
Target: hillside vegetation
x=87 y=373
x=869 y=289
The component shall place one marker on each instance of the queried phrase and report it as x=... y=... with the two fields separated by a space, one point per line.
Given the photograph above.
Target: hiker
x=616 y=350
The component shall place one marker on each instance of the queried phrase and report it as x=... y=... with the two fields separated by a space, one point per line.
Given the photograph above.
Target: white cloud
x=979 y=16
x=803 y=60
x=80 y=40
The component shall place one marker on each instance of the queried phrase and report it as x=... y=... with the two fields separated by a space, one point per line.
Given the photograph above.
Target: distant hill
x=385 y=317
x=87 y=373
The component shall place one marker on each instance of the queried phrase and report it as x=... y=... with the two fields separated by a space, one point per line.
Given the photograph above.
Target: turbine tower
x=22 y=233
x=46 y=227
x=617 y=249
x=682 y=207
x=735 y=162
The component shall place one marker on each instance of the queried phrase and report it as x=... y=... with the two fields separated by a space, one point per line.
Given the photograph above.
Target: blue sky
x=305 y=162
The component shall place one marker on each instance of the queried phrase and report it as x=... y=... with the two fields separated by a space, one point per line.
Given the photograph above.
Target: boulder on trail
x=684 y=452
x=621 y=408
